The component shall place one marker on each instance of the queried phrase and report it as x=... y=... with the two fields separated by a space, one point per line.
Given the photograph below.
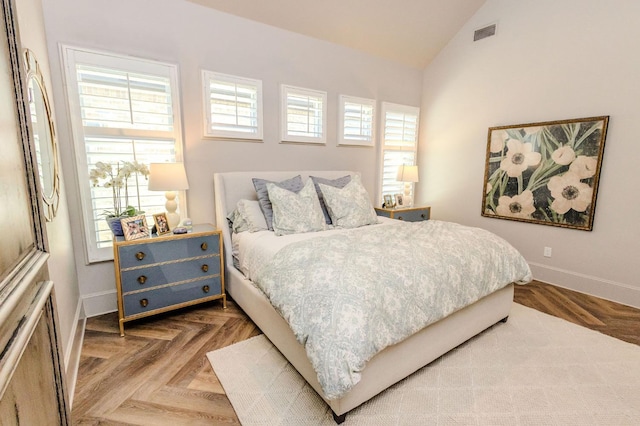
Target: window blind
x=399 y=144
x=233 y=106
x=303 y=115
x=121 y=109
x=357 y=118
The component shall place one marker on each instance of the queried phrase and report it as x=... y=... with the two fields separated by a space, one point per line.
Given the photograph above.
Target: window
x=233 y=106
x=304 y=115
x=356 y=119
x=399 y=144
x=121 y=109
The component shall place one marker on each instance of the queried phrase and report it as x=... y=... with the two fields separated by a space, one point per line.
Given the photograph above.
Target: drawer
x=156 y=275
x=171 y=249
x=168 y=296
x=412 y=215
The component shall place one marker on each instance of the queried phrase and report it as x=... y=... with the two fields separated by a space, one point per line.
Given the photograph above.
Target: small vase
x=116 y=226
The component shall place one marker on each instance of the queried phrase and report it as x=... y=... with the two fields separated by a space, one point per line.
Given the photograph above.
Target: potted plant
x=116 y=176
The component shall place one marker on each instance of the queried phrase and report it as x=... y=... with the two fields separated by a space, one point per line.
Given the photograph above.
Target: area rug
x=533 y=370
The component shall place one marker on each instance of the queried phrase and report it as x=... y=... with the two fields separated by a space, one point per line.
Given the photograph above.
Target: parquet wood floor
x=158 y=373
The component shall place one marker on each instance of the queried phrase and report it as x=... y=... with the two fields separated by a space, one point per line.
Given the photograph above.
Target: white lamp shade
x=167 y=177
x=407 y=174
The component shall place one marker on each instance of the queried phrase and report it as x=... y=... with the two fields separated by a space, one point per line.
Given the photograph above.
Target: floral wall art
x=545 y=173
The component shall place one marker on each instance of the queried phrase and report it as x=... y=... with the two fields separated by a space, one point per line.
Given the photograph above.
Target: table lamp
x=408 y=175
x=169 y=177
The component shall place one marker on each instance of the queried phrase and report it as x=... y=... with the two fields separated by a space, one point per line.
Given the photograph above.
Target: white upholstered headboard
x=229 y=188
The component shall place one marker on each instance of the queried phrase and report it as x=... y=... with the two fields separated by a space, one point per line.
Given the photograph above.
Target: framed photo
x=399 y=200
x=162 y=224
x=388 y=201
x=545 y=173
x=135 y=227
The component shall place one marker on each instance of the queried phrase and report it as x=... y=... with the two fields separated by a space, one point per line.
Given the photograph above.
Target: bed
x=388 y=366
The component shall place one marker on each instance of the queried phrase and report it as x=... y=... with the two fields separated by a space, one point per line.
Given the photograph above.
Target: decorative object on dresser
x=162 y=224
x=412 y=214
x=134 y=227
x=169 y=177
x=408 y=175
x=168 y=272
x=116 y=177
x=545 y=173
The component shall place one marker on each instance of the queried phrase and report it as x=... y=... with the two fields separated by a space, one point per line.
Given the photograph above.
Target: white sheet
x=254 y=249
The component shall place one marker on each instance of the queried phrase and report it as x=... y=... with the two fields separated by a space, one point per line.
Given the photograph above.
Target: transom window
x=233 y=106
x=304 y=115
x=356 y=121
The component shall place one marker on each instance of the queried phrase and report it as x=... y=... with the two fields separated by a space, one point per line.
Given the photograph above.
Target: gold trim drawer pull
x=205 y=268
x=142 y=279
x=400 y=218
x=205 y=288
x=140 y=255
x=144 y=303
x=204 y=246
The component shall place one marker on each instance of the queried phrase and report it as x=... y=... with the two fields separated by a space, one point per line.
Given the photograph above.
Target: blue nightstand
x=162 y=273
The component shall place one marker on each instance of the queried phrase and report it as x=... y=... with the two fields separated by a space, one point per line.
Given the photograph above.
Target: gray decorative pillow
x=294 y=213
x=294 y=184
x=349 y=207
x=336 y=183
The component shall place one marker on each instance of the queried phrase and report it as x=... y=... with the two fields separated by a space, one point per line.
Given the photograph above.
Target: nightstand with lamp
x=406 y=211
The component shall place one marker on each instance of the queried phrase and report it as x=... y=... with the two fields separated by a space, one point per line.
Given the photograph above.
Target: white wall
x=62 y=268
x=196 y=37
x=550 y=60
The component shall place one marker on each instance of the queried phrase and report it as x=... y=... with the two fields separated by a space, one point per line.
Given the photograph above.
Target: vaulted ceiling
x=407 y=31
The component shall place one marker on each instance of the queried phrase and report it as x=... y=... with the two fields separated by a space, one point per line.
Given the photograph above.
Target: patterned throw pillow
x=337 y=183
x=295 y=213
x=294 y=184
x=349 y=207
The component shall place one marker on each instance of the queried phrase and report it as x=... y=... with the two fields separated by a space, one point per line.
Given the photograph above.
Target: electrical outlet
x=547 y=252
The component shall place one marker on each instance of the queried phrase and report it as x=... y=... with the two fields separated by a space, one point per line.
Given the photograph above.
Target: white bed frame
x=386 y=368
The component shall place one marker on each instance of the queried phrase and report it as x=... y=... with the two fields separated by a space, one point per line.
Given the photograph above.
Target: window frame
x=285 y=91
x=342 y=138
x=387 y=107
x=70 y=57
x=207 y=78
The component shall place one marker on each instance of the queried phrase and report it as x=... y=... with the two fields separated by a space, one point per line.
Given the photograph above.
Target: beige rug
x=534 y=370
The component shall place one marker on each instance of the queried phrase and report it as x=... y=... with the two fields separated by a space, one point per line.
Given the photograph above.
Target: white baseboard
x=594 y=286
x=73 y=350
x=100 y=303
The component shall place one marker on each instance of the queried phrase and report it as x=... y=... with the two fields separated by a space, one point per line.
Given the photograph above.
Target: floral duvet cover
x=348 y=296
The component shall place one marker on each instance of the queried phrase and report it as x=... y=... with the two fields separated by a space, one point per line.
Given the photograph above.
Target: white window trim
x=284 y=135
x=68 y=55
x=342 y=139
x=405 y=109
x=207 y=76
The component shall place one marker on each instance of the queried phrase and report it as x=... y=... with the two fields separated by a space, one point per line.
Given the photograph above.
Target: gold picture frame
x=162 y=223
x=135 y=227
x=545 y=173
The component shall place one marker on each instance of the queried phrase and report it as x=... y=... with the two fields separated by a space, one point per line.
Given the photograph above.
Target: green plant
x=116 y=176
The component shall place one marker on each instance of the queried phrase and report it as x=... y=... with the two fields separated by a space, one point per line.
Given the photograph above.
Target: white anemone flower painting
x=545 y=173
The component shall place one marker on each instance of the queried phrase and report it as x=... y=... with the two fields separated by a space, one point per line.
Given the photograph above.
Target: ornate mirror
x=44 y=136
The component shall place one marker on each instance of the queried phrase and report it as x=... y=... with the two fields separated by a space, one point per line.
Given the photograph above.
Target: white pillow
x=349 y=207
x=250 y=211
x=295 y=213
